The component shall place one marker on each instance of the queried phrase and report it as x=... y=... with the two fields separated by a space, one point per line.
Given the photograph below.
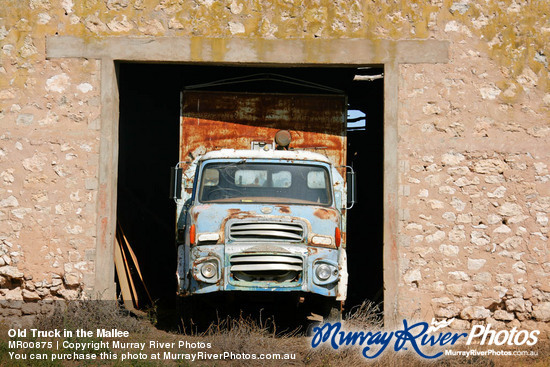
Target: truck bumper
x=267 y=268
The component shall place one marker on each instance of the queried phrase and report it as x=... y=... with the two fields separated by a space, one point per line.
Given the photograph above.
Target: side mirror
x=352 y=188
x=175 y=182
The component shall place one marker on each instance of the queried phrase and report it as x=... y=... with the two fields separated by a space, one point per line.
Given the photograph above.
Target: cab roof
x=290 y=155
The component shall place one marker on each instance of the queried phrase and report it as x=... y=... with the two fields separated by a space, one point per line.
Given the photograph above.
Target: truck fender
x=342 y=287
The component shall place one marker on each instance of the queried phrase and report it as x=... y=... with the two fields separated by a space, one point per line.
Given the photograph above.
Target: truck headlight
x=326 y=272
x=323 y=272
x=209 y=270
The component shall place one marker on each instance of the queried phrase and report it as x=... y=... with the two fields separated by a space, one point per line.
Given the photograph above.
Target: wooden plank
x=133 y=290
x=123 y=279
x=135 y=260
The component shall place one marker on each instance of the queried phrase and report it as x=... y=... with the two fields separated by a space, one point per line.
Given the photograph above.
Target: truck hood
x=212 y=218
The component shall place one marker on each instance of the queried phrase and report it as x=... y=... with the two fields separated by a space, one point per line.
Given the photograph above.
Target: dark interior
x=148 y=147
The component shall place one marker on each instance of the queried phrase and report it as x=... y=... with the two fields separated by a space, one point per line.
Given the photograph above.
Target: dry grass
x=90 y=315
x=249 y=336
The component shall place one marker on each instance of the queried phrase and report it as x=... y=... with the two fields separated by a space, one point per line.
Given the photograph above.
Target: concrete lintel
x=241 y=50
x=422 y=52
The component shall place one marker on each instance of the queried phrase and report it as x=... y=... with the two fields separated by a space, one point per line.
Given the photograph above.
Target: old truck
x=262 y=192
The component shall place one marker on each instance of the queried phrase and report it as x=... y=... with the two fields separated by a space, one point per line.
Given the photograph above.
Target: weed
x=90 y=315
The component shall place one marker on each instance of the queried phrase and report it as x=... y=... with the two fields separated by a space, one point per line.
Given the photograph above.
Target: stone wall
x=473 y=141
x=49 y=118
x=475 y=186
x=48 y=162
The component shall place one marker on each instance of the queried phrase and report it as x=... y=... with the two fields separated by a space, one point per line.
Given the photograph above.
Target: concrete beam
x=107 y=190
x=391 y=188
x=250 y=51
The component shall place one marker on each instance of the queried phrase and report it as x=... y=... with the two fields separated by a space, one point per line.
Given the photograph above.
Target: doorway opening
x=149 y=121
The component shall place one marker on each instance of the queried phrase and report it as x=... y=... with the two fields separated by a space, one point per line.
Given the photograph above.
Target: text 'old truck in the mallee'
x=262 y=192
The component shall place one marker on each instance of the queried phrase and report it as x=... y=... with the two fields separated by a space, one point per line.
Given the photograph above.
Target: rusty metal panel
x=216 y=120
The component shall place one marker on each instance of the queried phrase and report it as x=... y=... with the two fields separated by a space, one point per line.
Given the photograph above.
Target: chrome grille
x=266 y=231
x=268 y=267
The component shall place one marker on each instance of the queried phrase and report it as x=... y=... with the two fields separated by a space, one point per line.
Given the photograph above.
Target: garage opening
x=149 y=145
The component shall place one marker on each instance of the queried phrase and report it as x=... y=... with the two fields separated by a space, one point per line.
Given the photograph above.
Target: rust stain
x=312 y=250
x=195 y=216
x=283 y=209
x=240 y=214
x=323 y=213
x=102 y=197
x=237 y=213
x=103 y=233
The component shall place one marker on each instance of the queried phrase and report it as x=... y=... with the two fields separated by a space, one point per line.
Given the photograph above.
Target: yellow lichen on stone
x=516 y=34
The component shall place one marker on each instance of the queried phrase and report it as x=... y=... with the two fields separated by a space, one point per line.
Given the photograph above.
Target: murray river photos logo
x=418 y=337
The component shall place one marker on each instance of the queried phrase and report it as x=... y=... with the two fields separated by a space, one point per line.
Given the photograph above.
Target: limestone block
x=509 y=209
x=71 y=279
x=449 y=250
x=490 y=166
x=459 y=275
x=413 y=276
x=447 y=312
x=449 y=216
x=504 y=315
x=13 y=295
x=68 y=294
x=9 y=202
x=30 y=296
x=475 y=313
x=11 y=272
x=436 y=237
x=119 y=24
x=541 y=311
x=457 y=234
x=455 y=289
x=58 y=83
x=484 y=277
x=452 y=159
x=515 y=304
x=460 y=325
x=476 y=264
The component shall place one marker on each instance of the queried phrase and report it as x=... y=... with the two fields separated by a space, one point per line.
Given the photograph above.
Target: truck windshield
x=265 y=183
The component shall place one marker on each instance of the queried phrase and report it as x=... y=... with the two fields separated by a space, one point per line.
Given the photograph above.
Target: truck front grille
x=255 y=231
x=266 y=267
